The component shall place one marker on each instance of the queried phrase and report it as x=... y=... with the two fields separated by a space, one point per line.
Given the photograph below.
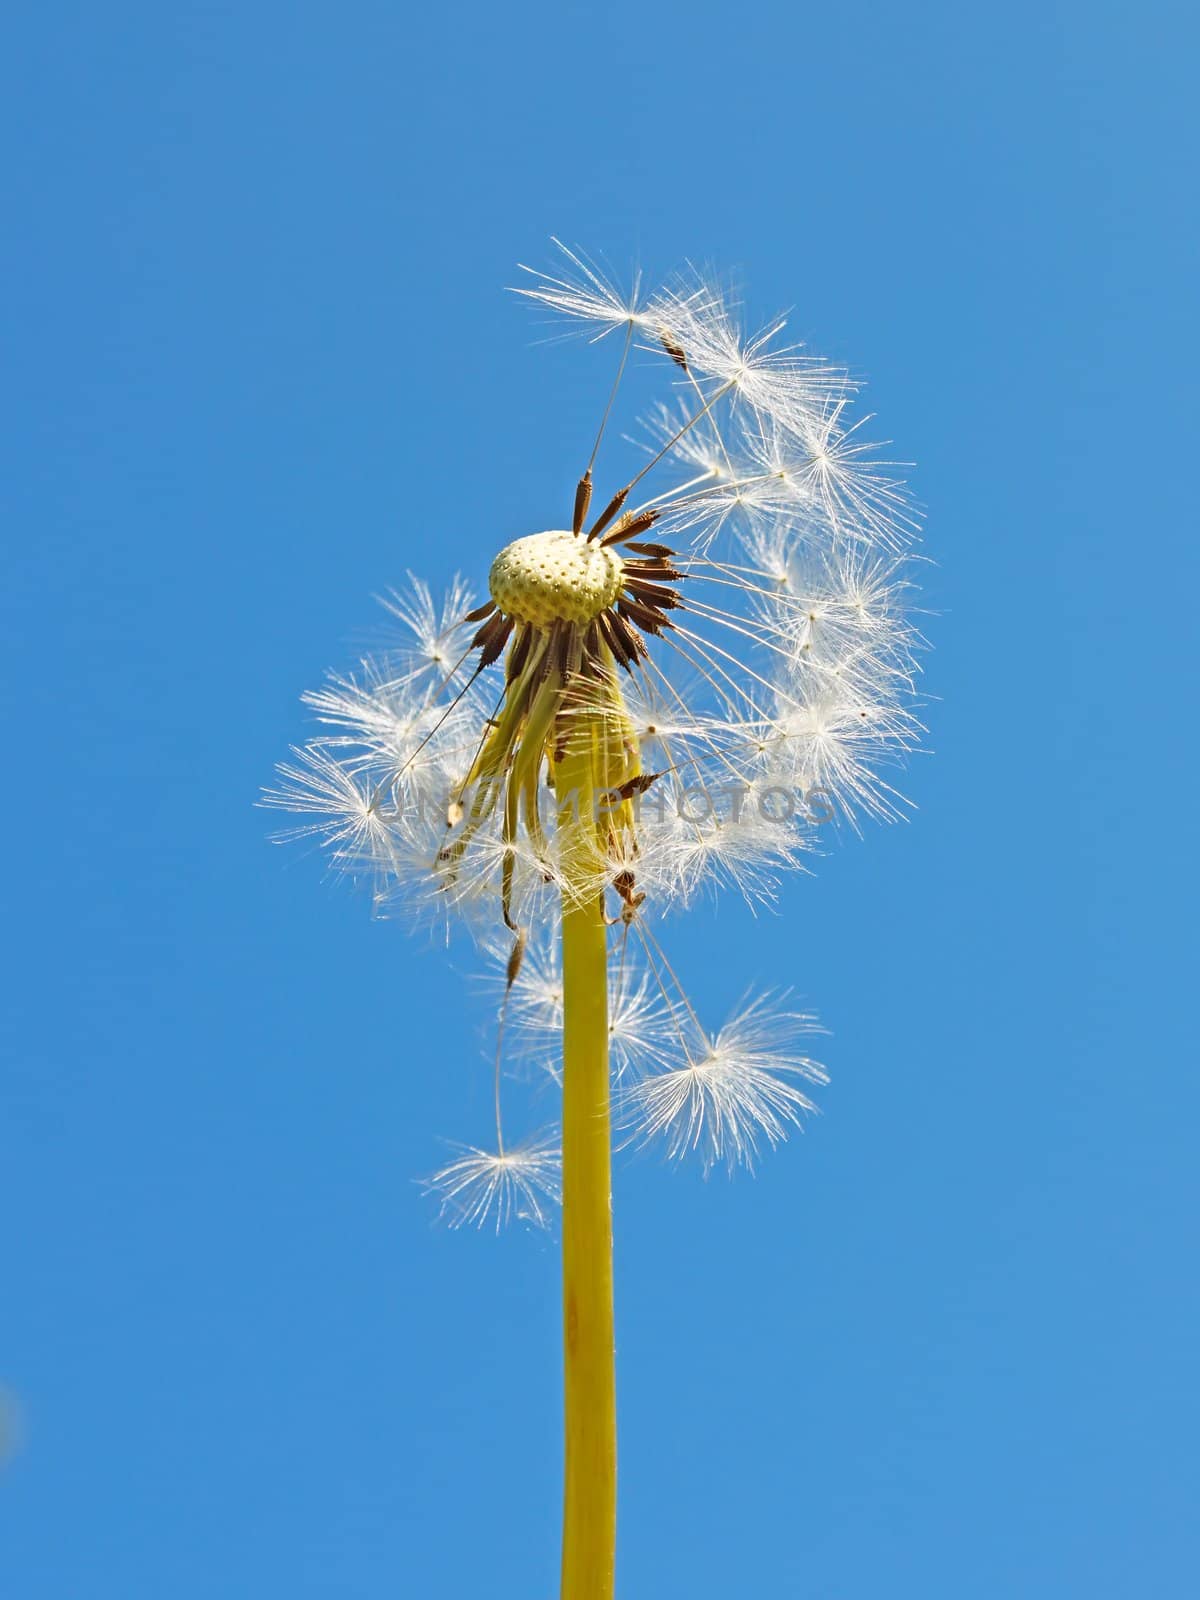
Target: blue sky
x=260 y=364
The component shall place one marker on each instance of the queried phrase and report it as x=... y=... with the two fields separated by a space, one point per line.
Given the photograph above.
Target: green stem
x=590 y=1499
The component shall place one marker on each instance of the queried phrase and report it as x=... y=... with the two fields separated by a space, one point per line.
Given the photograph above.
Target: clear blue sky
x=258 y=364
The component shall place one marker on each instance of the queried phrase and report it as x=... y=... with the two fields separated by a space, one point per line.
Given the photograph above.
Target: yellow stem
x=590 y=1500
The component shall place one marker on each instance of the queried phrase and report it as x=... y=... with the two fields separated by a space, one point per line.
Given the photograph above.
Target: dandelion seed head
x=785 y=660
x=556 y=576
x=722 y=644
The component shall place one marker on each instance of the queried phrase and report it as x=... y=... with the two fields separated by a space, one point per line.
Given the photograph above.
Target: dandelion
x=664 y=693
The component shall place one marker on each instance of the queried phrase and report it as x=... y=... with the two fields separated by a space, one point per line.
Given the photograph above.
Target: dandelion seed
x=346 y=807
x=640 y=1025
x=521 y=1184
x=584 y=292
x=835 y=742
x=433 y=637
x=736 y=1091
x=767 y=375
x=641 y=1028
